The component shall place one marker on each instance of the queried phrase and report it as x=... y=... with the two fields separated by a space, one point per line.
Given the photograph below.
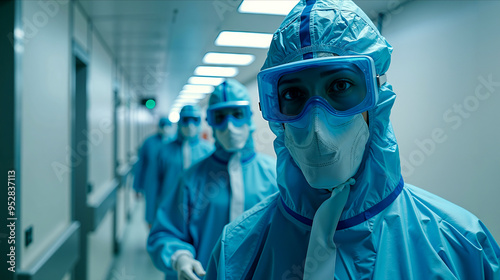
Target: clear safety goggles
x=188 y=119
x=343 y=85
x=237 y=112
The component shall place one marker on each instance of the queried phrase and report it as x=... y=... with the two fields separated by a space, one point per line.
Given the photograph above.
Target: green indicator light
x=150 y=104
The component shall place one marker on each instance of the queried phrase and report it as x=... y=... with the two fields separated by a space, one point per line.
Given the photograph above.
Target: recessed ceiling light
x=174 y=116
x=243 y=39
x=205 y=81
x=267 y=7
x=228 y=58
x=198 y=88
x=216 y=71
x=181 y=102
x=186 y=96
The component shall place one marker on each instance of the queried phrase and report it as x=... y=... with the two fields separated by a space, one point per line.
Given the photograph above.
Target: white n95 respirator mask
x=190 y=131
x=233 y=138
x=329 y=150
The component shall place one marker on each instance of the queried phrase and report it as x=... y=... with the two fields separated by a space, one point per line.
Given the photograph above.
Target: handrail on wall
x=100 y=203
x=58 y=259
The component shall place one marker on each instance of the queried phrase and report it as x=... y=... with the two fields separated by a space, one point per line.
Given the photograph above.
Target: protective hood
x=227 y=93
x=166 y=129
x=187 y=111
x=164 y=121
x=322 y=28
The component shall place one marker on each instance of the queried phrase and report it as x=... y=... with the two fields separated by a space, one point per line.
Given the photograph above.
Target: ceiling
x=158 y=44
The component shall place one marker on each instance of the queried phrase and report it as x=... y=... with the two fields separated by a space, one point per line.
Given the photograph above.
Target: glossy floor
x=133 y=262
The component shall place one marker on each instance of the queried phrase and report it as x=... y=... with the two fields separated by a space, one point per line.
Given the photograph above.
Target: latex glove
x=186 y=267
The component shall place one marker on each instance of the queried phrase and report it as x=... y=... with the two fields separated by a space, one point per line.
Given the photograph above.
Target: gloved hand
x=186 y=267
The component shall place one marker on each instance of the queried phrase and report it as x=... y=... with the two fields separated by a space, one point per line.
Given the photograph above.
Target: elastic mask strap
x=381 y=80
x=237 y=204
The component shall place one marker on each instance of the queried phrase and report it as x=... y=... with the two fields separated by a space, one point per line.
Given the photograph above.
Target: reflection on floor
x=133 y=262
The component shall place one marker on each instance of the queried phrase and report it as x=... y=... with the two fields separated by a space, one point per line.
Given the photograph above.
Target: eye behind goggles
x=238 y=112
x=343 y=85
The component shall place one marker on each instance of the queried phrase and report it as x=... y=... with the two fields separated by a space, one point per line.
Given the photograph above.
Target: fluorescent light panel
x=180 y=102
x=216 y=71
x=228 y=58
x=205 y=81
x=187 y=97
x=198 y=88
x=267 y=7
x=174 y=117
x=244 y=39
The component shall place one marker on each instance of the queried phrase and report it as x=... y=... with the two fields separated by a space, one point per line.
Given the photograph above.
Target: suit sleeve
x=170 y=231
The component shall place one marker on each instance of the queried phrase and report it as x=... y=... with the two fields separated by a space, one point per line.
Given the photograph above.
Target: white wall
x=100 y=249
x=45 y=126
x=443 y=53
x=122 y=121
x=100 y=98
x=101 y=167
x=100 y=114
x=80 y=28
x=142 y=125
x=45 y=197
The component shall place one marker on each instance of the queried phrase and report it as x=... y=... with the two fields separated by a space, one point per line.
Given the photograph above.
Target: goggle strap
x=381 y=79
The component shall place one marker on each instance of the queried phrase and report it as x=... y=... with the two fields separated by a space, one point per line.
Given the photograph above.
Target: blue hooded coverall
x=193 y=220
x=148 y=153
x=388 y=229
x=169 y=165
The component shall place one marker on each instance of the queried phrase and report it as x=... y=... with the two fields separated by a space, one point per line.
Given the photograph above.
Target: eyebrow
x=289 y=81
x=328 y=73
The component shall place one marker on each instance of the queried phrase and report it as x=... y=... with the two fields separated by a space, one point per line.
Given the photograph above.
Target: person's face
x=236 y=112
x=342 y=87
x=326 y=147
x=167 y=130
x=231 y=127
x=190 y=126
x=185 y=121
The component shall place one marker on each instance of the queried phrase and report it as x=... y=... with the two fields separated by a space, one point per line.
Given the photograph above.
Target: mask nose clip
x=317 y=115
x=324 y=146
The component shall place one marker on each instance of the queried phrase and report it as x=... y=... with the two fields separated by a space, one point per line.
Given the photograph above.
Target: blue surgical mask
x=328 y=151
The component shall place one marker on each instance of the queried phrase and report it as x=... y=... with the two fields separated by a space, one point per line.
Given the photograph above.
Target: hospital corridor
x=249 y=139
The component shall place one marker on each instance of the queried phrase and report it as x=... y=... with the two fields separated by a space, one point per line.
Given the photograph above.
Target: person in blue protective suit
x=175 y=157
x=214 y=191
x=343 y=210
x=148 y=154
